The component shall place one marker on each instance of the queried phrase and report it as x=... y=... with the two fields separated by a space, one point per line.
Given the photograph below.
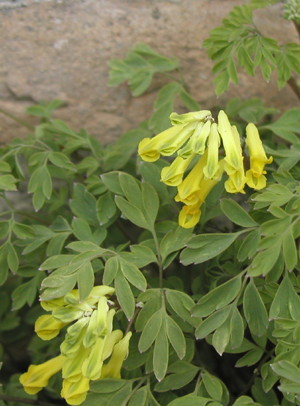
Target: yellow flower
x=72 y=367
x=197 y=142
x=47 y=327
x=37 y=376
x=189 y=216
x=211 y=168
x=189 y=117
x=172 y=175
x=75 y=392
x=50 y=305
x=231 y=141
x=113 y=368
x=188 y=189
x=258 y=159
x=92 y=365
x=166 y=142
x=111 y=340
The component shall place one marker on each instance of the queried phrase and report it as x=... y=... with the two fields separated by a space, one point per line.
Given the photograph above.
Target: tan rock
x=60 y=49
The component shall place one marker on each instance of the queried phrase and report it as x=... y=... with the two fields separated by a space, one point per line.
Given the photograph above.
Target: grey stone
x=60 y=49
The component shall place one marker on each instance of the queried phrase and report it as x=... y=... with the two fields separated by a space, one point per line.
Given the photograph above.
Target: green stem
x=16 y=119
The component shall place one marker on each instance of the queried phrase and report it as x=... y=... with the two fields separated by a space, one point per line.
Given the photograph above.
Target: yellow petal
x=113 y=368
x=37 y=376
x=47 y=327
x=189 y=216
x=111 y=340
x=211 y=168
x=189 y=117
x=172 y=175
x=92 y=365
x=188 y=189
x=258 y=159
x=165 y=143
x=75 y=392
x=231 y=141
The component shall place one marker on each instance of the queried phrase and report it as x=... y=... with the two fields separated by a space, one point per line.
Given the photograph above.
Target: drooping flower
x=211 y=168
x=197 y=142
x=120 y=351
x=75 y=392
x=47 y=327
x=189 y=216
x=166 y=143
x=255 y=175
x=37 y=376
x=172 y=175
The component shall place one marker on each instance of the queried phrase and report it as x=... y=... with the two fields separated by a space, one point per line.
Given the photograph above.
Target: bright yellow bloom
x=75 y=392
x=172 y=175
x=188 y=189
x=166 y=143
x=47 y=327
x=197 y=142
x=111 y=340
x=258 y=159
x=92 y=365
x=231 y=141
x=37 y=376
x=113 y=368
x=211 y=168
x=189 y=117
x=189 y=216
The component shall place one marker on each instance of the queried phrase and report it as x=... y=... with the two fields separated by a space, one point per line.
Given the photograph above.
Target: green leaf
x=249 y=246
x=218 y=297
x=150 y=331
x=245 y=401
x=250 y=358
x=236 y=213
x=213 y=386
x=180 y=302
x=106 y=208
x=56 y=261
x=26 y=293
x=131 y=212
x=111 y=181
x=124 y=295
x=12 y=257
x=221 y=337
x=111 y=269
x=139 y=398
x=288 y=370
x=140 y=255
x=265 y=260
x=85 y=280
x=163 y=107
x=150 y=203
x=255 y=311
x=174 y=240
x=133 y=274
x=7 y=182
x=287 y=126
x=212 y=322
x=286 y=302
x=206 y=246
x=175 y=337
x=61 y=160
x=289 y=250
x=161 y=354
x=236 y=329
x=83 y=205
x=221 y=83
x=191 y=400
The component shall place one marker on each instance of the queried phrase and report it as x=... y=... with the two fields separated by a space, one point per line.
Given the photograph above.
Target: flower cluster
x=89 y=342
x=197 y=139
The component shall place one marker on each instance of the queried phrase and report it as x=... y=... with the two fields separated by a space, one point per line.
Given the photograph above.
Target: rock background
x=60 y=49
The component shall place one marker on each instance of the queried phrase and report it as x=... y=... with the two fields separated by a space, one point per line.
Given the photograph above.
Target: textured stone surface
x=60 y=49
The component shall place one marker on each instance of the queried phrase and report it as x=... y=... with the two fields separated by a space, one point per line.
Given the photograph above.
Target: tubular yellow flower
x=211 y=168
x=197 y=142
x=188 y=189
x=72 y=367
x=165 y=143
x=189 y=216
x=231 y=142
x=75 y=392
x=189 y=117
x=113 y=368
x=92 y=365
x=255 y=175
x=237 y=178
x=111 y=340
x=172 y=175
x=47 y=327
x=37 y=376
